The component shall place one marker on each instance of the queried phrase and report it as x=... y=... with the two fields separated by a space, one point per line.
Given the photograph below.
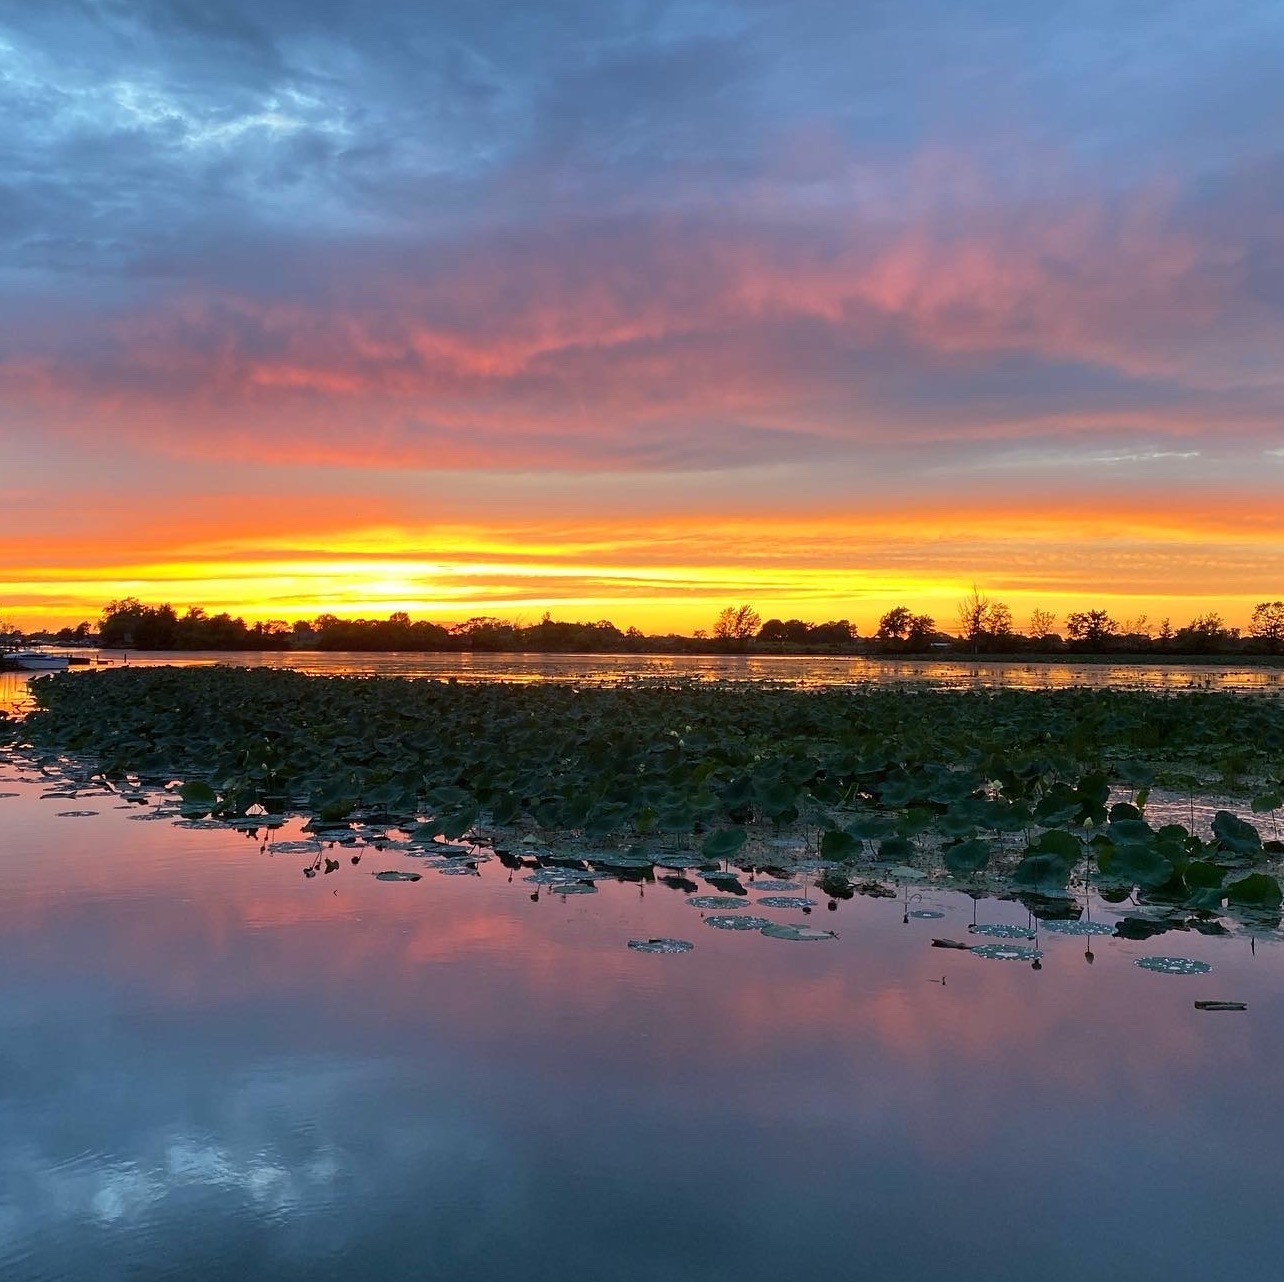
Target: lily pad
x=717 y=901
x=76 y=814
x=395 y=874
x=787 y=930
x=1077 y=928
x=661 y=945
x=1174 y=965
x=927 y=914
x=745 y=922
x=1002 y=930
x=572 y=888
x=459 y=870
x=773 y=887
x=786 y=901
x=1007 y=952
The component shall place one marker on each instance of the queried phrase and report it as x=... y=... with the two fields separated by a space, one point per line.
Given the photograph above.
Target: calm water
x=790 y=669
x=213 y=1067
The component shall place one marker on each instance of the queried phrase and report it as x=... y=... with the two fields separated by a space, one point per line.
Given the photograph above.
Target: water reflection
x=215 y=1067
x=953 y=674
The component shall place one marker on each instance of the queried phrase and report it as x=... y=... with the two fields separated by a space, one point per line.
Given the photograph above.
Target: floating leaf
x=1006 y=952
x=786 y=901
x=571 y=888
x=717 y=901
x=745 y=922
x=785 y=930
x=668 y=946
x=1221 y=1005
x=1002 y=930
x=76 y=814
x=927 y=914
x=1174 y=965
x=395 y=874
x=773 y=886
x=1077 y=928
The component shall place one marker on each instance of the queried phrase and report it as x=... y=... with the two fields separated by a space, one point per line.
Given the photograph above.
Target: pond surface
x=214 y=1066
x=802 y=670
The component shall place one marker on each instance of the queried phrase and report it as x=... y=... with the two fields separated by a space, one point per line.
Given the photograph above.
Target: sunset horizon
x=633 y=314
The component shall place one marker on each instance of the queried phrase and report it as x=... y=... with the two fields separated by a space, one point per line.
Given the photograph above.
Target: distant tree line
x=984 y=626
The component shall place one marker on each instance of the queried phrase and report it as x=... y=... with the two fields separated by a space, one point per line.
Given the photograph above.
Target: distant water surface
x=807 y=670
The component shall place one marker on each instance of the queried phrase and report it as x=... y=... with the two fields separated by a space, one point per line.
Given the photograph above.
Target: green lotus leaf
x=723 y=843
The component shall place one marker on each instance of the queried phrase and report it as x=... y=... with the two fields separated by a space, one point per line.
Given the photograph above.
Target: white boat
x=37 y=661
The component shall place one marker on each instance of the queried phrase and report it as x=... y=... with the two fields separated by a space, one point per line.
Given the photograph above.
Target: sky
x=633 y=310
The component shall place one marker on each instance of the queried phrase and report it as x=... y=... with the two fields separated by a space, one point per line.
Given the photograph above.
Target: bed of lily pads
x=851 y=791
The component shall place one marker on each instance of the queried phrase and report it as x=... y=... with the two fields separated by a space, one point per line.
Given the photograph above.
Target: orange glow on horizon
x=674 y=574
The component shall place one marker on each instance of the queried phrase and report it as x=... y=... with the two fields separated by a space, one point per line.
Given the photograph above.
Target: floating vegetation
x=787 y=930
x=76 y=814
x=717 y=901
x=1174 y=965
x=1002 y=930
x=1007 y=792
x=572 y=888
x=927 y=914
x=1006 y=952
x=554 y=876
x=5 y=795
x=660 y=945
x=1056 y=927
x=786 y=901
x=395 y=874
x=745 y=922
x=463 y=870
x=1221 y=1005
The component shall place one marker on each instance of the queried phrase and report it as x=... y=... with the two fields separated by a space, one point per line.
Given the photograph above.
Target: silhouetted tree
x=737 y=623
x=1090 y=629
x=1267 y=623
x=1042 y=625
x=895 y=624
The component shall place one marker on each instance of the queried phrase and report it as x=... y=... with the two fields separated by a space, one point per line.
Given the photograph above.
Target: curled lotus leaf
x=1174 y=965
x=661 y=945
x=745 y=922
